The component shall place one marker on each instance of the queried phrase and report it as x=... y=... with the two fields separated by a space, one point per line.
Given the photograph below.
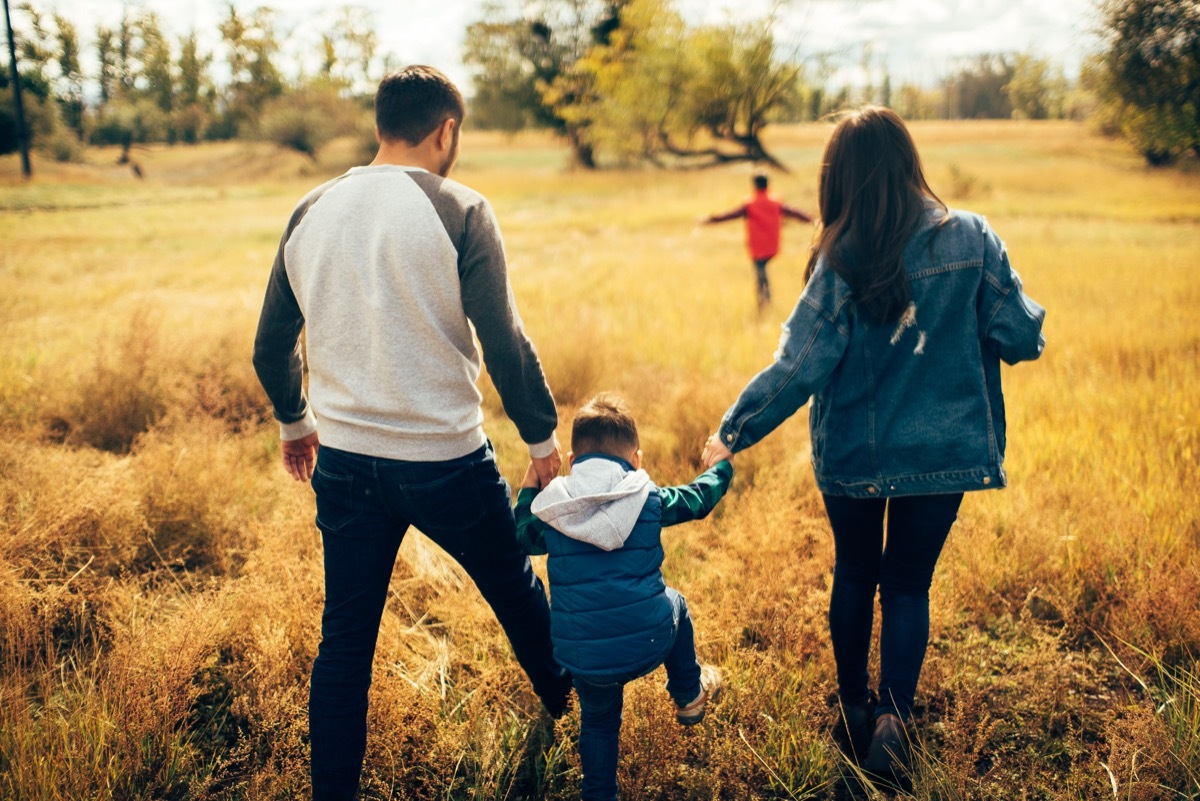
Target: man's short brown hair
x=411 y=103
x=604 y=425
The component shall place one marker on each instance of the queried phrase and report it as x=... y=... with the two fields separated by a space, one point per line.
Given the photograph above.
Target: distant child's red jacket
x=763 y=214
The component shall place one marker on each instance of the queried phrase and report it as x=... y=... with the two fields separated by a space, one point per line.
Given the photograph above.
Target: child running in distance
x=764 y=216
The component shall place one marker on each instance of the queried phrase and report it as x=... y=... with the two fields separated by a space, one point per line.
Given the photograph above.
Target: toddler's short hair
x=604 y=425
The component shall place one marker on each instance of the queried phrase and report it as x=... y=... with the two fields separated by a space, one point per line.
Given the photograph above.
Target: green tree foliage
x=1150 y=75
x=348 y=51
x=70 y=80
x=976 y=90
x=520 y=59
x=106 y=59
x=506 y=95
x=633 y=81
x=35 y=56
x=252 y=45
x=306 y=118
x=1037 y=89
x=157 y=79
x=193 y=92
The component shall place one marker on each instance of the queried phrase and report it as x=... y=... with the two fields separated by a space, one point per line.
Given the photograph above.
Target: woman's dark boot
x=887 y=755
x=855 y=727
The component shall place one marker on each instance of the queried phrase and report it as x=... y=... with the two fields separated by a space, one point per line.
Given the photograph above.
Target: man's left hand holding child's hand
x=531 y=478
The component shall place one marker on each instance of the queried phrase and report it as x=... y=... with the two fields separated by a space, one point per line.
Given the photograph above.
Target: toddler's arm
x=531 y=536
x=694 y=501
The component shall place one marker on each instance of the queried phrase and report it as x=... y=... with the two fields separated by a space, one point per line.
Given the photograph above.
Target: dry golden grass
x=160 y=584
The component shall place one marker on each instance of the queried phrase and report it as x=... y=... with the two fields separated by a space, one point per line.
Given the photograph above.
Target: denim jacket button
x=729 y=437
x=872 y=490
x=892 y=487
x=987 y=479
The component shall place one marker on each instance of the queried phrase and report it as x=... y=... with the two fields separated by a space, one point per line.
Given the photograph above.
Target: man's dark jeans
x=364 y=506
x=903 y=571
x=601 y=699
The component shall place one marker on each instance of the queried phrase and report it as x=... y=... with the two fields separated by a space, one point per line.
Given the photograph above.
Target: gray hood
x=598 y=503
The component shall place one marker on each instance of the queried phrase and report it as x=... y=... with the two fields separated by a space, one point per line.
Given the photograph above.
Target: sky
x=916 y=39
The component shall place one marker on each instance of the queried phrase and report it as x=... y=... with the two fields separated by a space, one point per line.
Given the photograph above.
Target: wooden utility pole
x=18 y=105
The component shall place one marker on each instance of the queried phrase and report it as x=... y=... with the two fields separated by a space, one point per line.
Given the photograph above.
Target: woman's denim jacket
x=906 y=408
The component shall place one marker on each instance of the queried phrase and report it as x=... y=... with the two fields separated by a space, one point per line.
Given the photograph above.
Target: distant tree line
x=147 y=86
x=620 y=80
x=632 y=80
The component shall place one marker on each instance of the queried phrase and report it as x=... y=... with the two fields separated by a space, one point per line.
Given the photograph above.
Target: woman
x=909 y=308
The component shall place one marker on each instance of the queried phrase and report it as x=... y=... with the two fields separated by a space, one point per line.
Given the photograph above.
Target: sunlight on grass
x=160 y=580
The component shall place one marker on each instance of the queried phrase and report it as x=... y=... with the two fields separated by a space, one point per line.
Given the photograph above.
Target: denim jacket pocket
x=451 y=502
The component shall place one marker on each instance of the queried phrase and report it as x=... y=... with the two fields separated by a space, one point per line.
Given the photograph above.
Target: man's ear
x=637 y=459
x=570 y=459
x=446 y=134
x=378 y=138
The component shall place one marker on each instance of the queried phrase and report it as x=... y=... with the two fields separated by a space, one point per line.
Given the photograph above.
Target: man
x=763 y=215
x=383 y=267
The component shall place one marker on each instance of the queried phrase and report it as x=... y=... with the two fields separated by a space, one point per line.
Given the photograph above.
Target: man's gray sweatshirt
x=383 y=267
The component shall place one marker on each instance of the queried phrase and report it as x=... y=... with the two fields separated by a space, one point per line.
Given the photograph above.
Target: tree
x=1037 y=89
x=193 y=107
x=106 y=58
x=70 y=92
x=348 y=50
x=667 y=93
x=1152 y=73
x=538 y=51
x=976 y=91
x=251 y=46
x=631 y=79
x=505 y=93
x=157 y=65
x=14 y=127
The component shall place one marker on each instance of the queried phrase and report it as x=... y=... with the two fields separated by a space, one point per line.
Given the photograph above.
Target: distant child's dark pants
x=902 y=570
x=601 y=699
x=763 y=285
x=364 y=506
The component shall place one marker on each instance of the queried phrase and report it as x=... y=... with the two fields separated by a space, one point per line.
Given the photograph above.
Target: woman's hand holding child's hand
x=714 y=451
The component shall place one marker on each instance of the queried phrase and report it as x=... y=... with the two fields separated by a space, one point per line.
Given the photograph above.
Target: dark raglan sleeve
x=694 y=501
x=277 y=354
x=509 y=355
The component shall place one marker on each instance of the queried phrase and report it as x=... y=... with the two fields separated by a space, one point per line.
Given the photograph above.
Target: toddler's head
x=605 y=425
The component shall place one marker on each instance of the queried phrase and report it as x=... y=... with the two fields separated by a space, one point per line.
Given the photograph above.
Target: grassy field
x=160 y=579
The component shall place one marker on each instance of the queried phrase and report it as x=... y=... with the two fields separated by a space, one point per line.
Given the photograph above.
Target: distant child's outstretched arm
x=694 y=501
x=531 y=532
x=737 y=213
x=794 y=213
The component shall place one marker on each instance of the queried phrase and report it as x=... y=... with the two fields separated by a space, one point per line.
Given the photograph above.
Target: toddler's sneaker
x=710 y=687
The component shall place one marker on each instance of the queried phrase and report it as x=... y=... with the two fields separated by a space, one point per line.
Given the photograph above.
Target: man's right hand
x=547 y=468
x=300 y=456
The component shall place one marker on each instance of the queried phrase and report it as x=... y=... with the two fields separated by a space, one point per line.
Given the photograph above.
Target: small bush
x=63 y=146
x=123 y=394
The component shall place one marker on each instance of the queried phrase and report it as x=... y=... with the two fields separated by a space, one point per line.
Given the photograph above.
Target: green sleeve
x=694 y=501
x=531 y=532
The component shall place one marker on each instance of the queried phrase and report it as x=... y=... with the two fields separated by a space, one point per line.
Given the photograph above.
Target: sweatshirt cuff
x=299 y=429
x=543 y=449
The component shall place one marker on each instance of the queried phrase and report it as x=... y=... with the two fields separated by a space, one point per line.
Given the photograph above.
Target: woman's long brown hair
x=873 y=196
